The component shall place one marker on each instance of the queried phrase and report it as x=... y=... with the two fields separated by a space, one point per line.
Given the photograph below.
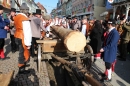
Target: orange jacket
x=18 y=25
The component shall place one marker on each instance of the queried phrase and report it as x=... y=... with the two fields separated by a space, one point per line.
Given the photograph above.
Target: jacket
x=3 y=23
x=76 y=25
x=12 y=28
x=126 y=32
x=23 y=32
x=36 y=26
x=23 y=29
x=110 y=49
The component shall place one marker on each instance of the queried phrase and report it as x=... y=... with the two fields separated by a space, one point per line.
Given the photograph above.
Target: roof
x=41 y=6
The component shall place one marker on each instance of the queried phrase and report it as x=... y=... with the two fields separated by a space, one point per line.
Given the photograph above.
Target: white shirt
x=27 y=33
x=111 y=29
x=48 y=28
x=84 y=29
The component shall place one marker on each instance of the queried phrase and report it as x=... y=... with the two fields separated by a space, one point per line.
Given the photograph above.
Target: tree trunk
x=74 y=41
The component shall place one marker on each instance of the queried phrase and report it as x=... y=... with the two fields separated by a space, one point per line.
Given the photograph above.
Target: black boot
x=23 y=71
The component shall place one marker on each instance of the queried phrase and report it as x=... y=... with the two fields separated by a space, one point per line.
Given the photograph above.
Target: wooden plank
x=53 y=46
x=6 y=78
x=48 y=41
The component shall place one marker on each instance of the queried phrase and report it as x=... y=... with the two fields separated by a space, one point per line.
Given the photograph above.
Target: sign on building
x=110 y=1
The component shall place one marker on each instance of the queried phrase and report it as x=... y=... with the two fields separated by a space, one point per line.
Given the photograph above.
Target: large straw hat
x=24 y=7
x=47 y=17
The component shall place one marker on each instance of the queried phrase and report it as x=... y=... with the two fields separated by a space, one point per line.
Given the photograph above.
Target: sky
x=48 y=4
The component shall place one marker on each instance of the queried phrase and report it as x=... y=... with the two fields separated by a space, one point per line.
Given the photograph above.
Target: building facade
x=63 y=7
x=59 y=8
x=121 y=7
x=6 y=4
x=43 y=9
x=30 y=3
x=69 y=7
x=54 y=13
x=90 y=8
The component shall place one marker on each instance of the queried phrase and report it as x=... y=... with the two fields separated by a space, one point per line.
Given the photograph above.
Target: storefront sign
x=110 y=1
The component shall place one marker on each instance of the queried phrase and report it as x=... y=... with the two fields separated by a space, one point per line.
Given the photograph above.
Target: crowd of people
x=25 y=28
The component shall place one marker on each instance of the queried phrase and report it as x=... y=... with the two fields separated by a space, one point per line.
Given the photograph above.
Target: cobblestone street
x=119 y=78
x=10 y=63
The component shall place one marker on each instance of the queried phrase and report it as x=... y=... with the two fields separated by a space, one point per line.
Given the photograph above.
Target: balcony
x=120 y=2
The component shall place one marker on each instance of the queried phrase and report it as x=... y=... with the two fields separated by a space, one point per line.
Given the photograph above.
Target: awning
x=86 y=13
x=104 y=13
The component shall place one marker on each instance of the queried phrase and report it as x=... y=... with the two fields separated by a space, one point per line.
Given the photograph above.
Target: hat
x=47 y=17
x=75 y=17
x=38 y=11
x=85 y=17
x=24 y=7
x=68 y=17
x=33 y=13
x=13 y=10
x=111 y=21
x=1 y=7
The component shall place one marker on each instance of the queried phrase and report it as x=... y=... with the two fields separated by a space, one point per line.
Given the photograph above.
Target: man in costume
x=3 y=32
x=23 y=37
x=49 y=23
x=12 y=30
x=36 y=27
x=85 y=26
x=110 y=50
x=76 y=24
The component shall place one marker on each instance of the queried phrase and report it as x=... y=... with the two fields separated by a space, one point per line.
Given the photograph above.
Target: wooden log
x=88 y=78
x=6 y=78
x=74 y=41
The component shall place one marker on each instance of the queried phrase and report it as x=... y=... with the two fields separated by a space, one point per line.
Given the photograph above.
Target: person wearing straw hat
x=49 y=23
x=23 y=35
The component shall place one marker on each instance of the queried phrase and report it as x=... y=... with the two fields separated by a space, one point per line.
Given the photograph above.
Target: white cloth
x=48 y=28
x=84 y=29
x=56 y=22
x=44 y=23
x=27 y=33
x=111 y=29
x=109 y=73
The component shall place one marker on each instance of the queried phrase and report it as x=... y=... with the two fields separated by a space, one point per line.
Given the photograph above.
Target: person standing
x=110 y=49
x=3 y=32
x=125 y=38
x=76 y=24
x=36 y=27
x=96 y=38
x=85 y=26
x=12 y=30
x=23 y=37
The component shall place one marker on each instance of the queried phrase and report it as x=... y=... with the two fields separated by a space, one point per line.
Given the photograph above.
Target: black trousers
x=108 y=65
x=34 y=46
x=2 y=43
x=21 y=58
x=13 y=44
